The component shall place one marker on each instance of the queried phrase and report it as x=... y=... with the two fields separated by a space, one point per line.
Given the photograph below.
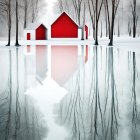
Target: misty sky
x=49 y=13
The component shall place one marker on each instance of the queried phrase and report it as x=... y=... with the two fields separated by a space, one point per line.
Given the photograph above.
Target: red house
x=64 y=27
x=36 y=32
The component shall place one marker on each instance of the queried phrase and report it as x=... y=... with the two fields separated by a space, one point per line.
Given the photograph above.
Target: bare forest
x=104 y=17
x=15 y=15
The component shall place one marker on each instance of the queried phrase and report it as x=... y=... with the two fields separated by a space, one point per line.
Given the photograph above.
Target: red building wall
x=64 y=27
x=86 y=29
x=41 y=33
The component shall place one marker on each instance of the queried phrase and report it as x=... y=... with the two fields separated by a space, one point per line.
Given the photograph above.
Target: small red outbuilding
x=36 y=32
x=64 y=27
x=41 y=33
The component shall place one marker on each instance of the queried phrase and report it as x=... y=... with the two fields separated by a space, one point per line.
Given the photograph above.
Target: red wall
x=86 y=29
x=64 y=27
x=41 y=32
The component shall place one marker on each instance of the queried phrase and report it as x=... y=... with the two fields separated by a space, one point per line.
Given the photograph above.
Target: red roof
x=64 y=13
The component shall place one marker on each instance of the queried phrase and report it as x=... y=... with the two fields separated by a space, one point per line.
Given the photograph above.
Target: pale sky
x=49 y=17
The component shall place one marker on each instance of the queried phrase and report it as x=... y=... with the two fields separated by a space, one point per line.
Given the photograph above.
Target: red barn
x=64 y=27
x=36 y=32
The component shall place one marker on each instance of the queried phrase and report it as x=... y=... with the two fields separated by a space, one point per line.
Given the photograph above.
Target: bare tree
x=101 y=30
x=77 y=4
x=9 y=22
x=106 y=19
x=65 y=5
x=5 y=7
x=25 y=7
x=114 y=7
x=98 y=8
x=91 y=8
x=61 y=5
x=129 y=27
x=133 y=5
x=17 y=22
x=83 y=28
x=95 y=7
x=118 y=28
x=34 y=9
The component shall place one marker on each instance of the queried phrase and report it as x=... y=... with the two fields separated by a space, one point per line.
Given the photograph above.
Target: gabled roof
x=67 y=15
x=34 y=26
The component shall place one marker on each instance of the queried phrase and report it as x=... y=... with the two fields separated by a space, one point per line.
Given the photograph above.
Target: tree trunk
x=134 y=18
x=108 y=17
x=96 y=35
x=25 y=17
x=93 y=23
x=83 y=28
x=106 y=30
x=118 y=28
x=17 y=22
x=112 y=24
x=101 y=30
x=9 y=23
x=134 y=27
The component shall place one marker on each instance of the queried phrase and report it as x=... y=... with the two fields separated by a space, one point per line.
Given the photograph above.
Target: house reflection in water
x=58 y=61
x=36 y=64
x=65 y=62
x=41 y=61
x=30 y=69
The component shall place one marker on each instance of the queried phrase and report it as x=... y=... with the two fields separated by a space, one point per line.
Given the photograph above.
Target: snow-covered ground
x=125 y=42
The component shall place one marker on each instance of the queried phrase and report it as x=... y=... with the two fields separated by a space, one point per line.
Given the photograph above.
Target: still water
x=69 y=92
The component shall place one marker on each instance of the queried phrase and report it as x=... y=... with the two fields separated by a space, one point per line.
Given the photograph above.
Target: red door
x=28 y=36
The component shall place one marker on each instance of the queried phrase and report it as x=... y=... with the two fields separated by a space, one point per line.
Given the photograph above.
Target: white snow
x=123 y=41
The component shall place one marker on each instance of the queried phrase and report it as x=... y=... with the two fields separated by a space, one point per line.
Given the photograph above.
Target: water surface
x=69 y=91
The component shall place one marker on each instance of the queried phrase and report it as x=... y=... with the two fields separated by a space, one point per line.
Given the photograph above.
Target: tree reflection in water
x=135 y=117
x=92 y=110
x=20 y=118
